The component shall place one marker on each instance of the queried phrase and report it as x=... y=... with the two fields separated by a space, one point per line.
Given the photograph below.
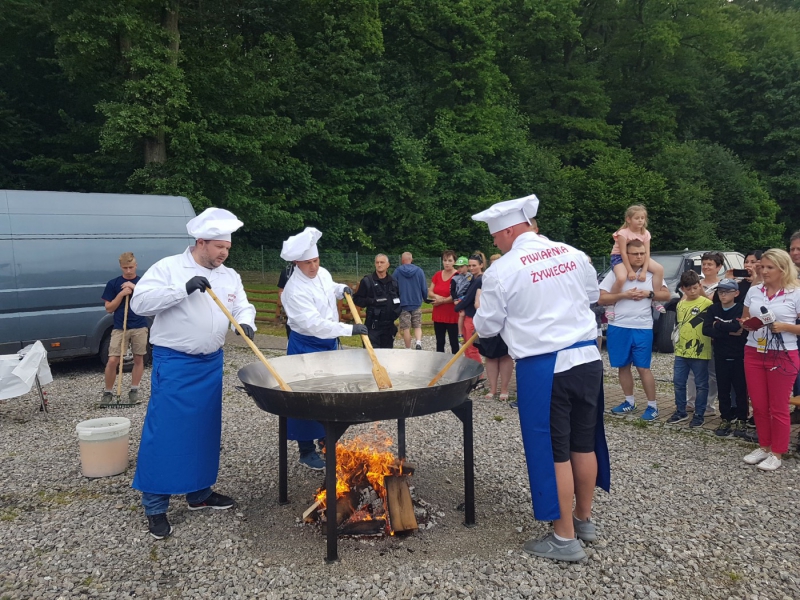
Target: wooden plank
x=399 y=505
x=310 y=510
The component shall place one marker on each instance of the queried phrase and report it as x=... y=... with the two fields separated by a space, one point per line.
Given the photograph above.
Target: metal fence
x=264 y=265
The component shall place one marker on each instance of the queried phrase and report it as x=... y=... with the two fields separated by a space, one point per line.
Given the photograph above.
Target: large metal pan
x=357 y=403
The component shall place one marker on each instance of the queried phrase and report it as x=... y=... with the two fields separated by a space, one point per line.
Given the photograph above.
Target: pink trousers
x=472 y=351
x=770 y=377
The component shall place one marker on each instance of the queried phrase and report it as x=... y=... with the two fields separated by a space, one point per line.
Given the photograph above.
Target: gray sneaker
x=133 y=396
x=107 y=397
x=550 y=547
x=585 y=530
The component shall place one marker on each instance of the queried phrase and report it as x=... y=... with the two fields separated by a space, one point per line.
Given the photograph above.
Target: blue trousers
x=157 y=504
x=680 y=375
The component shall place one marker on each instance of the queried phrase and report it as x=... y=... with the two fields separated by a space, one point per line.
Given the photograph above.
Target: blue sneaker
x=623 y=408
x=677 y=417
x=697 y=421
x=513 y=404
x=314 y=461
x=650 y=414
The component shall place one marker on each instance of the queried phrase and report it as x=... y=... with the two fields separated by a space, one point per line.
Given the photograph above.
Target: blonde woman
x=771 y=360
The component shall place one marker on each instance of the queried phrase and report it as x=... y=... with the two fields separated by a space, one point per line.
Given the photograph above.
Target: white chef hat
x=302 y=246
x=213 y=224
x=508 y=213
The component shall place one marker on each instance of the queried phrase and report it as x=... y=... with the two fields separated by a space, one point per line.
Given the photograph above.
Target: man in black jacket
x=380 y=295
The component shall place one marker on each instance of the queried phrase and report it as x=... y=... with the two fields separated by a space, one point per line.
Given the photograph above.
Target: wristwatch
x=651 y=295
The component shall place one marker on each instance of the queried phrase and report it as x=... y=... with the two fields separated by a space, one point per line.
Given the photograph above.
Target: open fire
x=373 y=493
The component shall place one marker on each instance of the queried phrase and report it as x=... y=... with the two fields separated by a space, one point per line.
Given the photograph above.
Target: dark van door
x=9 y=305
x=66 y=247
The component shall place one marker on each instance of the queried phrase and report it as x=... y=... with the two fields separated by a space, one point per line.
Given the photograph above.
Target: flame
x=356 y=460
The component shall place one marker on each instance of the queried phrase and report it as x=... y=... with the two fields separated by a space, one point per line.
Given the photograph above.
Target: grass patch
x=498 y=418
x=87 y=582
x=734 y=576
x=65 y=498
x=655 y=466
x=9 y=514
x=153 y=553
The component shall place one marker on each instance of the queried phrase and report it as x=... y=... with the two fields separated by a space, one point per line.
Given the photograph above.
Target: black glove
x=197 y=283
x=359 y=329
x=347 y=290
x=248 y=331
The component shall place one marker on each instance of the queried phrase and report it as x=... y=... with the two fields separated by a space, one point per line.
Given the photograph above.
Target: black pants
x=449 y=329
x=381 y=335
x=730 y=373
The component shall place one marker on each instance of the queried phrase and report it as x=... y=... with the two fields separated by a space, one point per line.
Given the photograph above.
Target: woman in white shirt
x=771 y=360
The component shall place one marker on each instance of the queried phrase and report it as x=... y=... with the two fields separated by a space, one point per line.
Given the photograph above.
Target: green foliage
x=387 y=123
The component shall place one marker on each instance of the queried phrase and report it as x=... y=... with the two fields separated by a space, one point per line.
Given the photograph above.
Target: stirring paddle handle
x=378 y=371
x=456 y=356
x=122 y=348
x=284 y=386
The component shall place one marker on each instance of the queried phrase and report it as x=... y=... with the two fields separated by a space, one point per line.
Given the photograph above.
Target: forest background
x=387 y=123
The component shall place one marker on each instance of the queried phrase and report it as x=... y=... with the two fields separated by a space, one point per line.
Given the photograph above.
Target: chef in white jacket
x=309 y=300
x=537 y=296
x=179 y=449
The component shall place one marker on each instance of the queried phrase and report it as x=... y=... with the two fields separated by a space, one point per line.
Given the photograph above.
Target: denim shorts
x=616 y=259
x=629 y=346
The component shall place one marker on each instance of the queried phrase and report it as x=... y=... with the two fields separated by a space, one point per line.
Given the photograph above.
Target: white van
x=59 y=249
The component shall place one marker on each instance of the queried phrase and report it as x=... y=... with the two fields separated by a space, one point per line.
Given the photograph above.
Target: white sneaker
x=419 y=345
x=756 y=456
x=770 y=463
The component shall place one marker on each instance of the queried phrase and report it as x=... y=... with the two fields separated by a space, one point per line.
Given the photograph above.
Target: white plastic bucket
x=104 y=446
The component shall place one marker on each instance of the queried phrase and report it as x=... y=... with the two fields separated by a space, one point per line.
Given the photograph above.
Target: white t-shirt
x=631 y=314
x=785 y=305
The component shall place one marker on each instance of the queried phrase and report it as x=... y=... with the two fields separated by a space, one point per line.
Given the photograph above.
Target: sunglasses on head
x=476 y=257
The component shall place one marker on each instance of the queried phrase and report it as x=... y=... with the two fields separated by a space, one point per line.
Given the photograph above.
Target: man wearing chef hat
x=179 y=450
x=537 y=298
x=309 y=300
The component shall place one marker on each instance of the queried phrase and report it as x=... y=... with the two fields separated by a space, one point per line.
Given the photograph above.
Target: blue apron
x=534 y=391
x=179 y=451
x=301 y=429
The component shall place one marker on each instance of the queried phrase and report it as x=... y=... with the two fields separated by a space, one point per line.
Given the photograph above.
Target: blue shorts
x=616 y=259
x=626 y=346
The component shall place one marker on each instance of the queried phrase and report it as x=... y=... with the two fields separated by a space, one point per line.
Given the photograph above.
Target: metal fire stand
x=334 y=431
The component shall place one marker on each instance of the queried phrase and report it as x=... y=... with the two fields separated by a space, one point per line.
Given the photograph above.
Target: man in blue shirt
x=413 y=290
x=136 y=328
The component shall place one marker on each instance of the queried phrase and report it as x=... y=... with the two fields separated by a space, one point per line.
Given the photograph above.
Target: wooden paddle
x=284 y=386
x=452 y=361
x=378 y=371
x=122 y=349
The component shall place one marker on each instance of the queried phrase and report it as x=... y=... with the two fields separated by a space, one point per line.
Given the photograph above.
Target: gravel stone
x=686 y=517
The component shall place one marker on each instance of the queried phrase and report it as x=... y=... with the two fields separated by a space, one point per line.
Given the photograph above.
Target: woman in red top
x=445 y=318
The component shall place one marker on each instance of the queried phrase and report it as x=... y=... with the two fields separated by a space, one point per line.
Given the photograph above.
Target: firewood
x=364 y=527
x=406 y=468
x=399 y=505
x=311 y=510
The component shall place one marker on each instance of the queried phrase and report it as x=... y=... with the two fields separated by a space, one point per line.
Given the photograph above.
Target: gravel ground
x=686 y=519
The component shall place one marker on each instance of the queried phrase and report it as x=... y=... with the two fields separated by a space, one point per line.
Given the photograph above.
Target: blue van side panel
x=9 y=320
x=66 y=247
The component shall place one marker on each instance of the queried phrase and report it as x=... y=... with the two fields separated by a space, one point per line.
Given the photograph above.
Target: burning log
x=364 y=527
x=399 y=505
x=308 y=516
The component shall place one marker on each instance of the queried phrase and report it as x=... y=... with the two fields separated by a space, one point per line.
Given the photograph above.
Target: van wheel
x=663 y=332
x=127 y=365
